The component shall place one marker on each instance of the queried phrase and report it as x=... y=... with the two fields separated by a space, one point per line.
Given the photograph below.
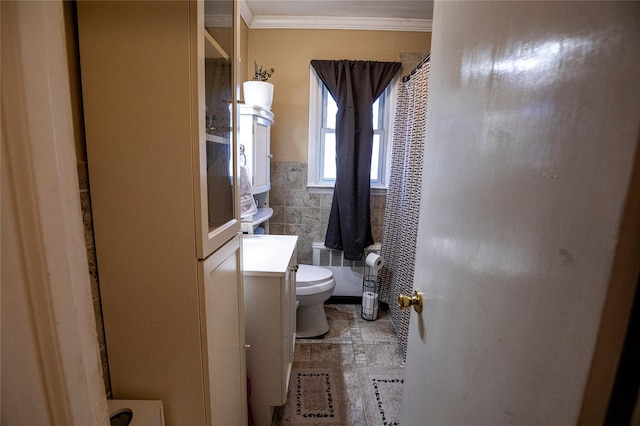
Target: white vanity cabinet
x=270 y=265
x=255 y=140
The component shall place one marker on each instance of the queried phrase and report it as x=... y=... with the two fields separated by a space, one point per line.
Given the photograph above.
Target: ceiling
x=397 y=15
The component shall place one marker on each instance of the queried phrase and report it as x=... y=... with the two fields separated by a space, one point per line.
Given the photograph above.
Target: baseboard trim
x=351 y=300
x=344 y=300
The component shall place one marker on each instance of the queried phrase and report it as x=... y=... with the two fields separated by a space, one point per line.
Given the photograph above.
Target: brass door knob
x=405 y=302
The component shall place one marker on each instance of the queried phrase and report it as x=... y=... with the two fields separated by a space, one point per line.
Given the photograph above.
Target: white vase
x=258 y=93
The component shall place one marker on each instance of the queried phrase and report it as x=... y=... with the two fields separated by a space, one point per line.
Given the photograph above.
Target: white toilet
x=314 y=285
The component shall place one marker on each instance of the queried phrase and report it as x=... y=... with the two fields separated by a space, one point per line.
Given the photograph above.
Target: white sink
x=267 y=253
x=260 y=249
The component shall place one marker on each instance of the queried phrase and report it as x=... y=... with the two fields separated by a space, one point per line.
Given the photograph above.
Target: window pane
x=375 y=158
x=376 y=115
x=322 y=146
x=332 y=110
x=329 y=156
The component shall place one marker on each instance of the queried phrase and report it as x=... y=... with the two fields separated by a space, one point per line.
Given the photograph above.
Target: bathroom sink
x=267 y=253
x=260 y=249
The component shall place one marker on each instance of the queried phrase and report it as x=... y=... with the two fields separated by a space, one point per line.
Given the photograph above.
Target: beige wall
x=244 y=49
x=290 y=51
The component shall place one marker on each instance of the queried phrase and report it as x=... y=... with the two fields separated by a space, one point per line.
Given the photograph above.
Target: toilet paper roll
x=369 y=300
x=375 y=261
x=370 y=304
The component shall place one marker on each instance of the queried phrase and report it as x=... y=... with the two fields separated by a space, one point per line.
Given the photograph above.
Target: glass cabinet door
x=217 y=118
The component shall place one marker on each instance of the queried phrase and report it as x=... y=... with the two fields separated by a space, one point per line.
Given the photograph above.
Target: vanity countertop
x=267 y=254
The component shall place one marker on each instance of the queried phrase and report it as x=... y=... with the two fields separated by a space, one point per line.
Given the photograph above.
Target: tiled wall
x=85 y=200
x=296 y=211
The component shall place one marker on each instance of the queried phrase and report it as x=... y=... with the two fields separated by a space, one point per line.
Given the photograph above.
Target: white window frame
x=314 y=183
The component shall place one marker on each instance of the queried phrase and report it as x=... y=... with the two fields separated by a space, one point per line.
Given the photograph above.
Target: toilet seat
x=311 y=275
x=313 y=279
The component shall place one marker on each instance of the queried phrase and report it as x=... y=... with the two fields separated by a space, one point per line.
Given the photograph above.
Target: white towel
x=247 y=203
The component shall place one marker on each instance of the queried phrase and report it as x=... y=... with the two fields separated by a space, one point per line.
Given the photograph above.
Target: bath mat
x=316 y=397
x=383 y=397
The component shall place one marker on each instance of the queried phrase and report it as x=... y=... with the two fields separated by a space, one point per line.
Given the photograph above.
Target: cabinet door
x=262 y=157
x=255 y=145
x=217 y=158
x=223 y=335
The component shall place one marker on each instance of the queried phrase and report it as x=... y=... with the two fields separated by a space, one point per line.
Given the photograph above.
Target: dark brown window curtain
x=355 y=85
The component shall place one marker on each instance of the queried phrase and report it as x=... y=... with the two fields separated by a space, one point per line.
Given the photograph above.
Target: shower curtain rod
x=422 y=62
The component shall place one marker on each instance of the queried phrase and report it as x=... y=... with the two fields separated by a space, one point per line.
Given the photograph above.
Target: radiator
x=347 y=273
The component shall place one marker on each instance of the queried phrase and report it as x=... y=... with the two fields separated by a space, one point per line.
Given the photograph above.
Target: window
x=322 y=137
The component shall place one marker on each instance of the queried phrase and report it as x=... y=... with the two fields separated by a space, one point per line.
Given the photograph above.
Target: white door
x=532 y=132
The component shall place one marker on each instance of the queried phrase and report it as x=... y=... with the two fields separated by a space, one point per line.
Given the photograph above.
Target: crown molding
x=335 y=23
x=246 y=13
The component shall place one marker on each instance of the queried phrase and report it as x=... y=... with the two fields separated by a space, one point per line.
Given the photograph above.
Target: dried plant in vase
x=261 y=74
x=258 y=91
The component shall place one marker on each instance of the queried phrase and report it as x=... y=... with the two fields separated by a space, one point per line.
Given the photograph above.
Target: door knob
x=405 y=302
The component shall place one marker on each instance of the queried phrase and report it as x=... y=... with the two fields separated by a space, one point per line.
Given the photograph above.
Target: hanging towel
x=247 y=204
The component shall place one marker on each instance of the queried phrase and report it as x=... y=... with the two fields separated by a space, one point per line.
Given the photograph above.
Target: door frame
x=42 y=226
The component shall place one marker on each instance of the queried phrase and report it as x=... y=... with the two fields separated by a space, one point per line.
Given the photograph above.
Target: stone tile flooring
x=365 y=354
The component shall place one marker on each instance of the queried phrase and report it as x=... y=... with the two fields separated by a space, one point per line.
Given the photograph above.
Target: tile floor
x=366 y=353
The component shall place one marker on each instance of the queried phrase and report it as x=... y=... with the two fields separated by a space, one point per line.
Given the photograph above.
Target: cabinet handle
x=246 y=346
x=270 y=156
x=294 y=268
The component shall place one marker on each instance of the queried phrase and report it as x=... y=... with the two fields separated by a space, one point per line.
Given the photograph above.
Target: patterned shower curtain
x=400 y=226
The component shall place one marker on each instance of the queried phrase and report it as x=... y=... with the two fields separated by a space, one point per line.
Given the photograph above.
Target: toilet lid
x=312 y=275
